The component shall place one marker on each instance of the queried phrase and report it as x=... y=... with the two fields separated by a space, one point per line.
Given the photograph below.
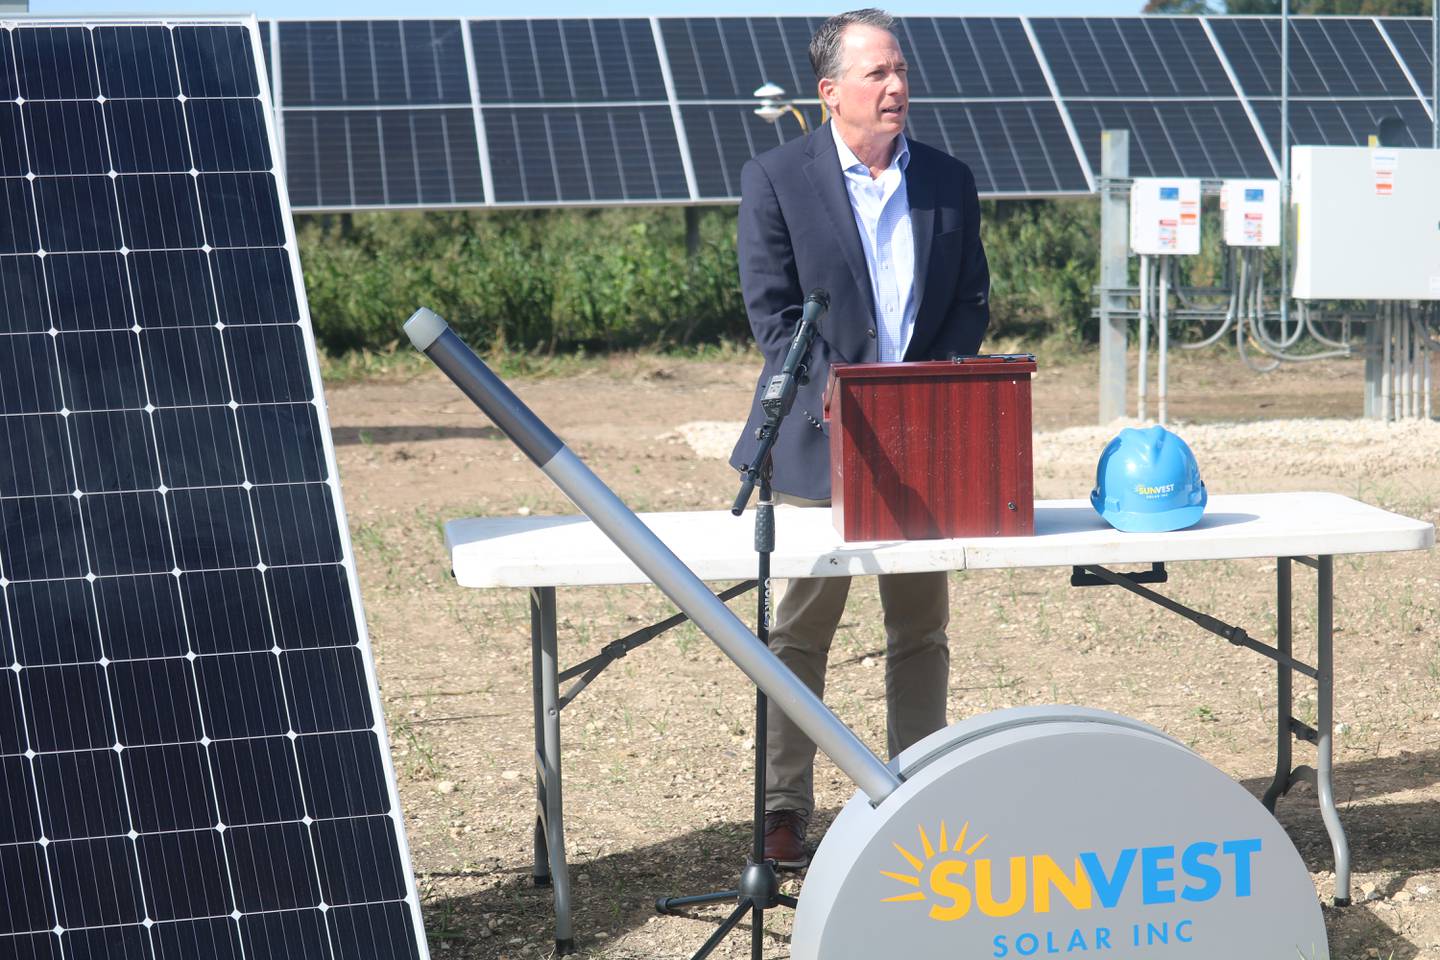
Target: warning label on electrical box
x=1382 y=165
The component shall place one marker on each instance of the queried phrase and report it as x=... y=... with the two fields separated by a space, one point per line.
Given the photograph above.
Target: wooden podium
x=920 y=451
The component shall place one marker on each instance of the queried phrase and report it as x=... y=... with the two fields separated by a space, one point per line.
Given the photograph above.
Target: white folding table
x=544 y=553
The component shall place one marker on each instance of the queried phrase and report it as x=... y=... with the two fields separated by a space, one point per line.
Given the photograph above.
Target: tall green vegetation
x=531 y=280
x=604 y=279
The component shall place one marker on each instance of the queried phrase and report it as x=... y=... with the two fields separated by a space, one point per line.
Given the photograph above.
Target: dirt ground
x=657 y=750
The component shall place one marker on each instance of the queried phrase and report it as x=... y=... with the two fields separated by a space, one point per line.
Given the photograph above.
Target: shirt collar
x=849 y=161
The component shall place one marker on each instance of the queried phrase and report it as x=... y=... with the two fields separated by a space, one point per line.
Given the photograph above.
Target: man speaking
x=891 y=229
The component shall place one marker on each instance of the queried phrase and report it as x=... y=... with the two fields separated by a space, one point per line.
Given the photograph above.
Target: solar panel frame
x=36 y=513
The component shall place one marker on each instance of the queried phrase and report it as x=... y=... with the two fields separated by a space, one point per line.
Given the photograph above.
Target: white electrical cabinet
x=1251 y=209
x=1367 y=223
x=1165 y=216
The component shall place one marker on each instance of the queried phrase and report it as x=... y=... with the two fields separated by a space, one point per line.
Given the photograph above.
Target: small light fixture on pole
x=773 y=105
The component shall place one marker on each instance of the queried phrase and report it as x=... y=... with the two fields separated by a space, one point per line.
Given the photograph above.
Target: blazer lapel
x=823 y=172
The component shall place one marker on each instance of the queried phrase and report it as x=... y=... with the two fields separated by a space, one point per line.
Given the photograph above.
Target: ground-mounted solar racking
x=524 y=112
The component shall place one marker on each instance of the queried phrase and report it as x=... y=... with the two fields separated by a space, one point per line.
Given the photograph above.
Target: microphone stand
x=759 y=886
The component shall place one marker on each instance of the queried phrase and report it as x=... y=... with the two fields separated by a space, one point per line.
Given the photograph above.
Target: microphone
x=780 y=392
x=779 y=395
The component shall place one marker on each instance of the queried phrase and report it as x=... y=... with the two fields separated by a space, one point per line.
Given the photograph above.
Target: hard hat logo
x=1154 y=491
x=1147 y=481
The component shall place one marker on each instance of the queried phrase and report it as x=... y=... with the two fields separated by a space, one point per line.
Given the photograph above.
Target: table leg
x=550 y=818
x=1284 y=700
x=1326 y=723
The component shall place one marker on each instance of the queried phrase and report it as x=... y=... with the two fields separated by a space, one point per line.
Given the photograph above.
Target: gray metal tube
x=1141 y=374
x=1162 y=342
x=1435 y=74
x=1284 y=166
x=649 y=553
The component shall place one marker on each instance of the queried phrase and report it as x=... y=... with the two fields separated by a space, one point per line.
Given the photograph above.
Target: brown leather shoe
x=785 y=839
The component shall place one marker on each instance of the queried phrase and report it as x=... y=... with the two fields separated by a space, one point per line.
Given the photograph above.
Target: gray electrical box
x=1367 y=223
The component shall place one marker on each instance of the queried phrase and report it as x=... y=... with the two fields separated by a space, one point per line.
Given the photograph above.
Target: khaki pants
x=917 y=664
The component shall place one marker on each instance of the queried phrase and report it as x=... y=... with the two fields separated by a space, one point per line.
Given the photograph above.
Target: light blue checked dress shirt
x=882 y=213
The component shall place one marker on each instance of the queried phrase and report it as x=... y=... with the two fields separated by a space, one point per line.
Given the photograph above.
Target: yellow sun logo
x=937 y=879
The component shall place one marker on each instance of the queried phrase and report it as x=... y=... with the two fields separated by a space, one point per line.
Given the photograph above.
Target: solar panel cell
x=41 y=465
x=216 y=62
x=18 y=233
x=282 y=443
x=27 y=894
x=349 y=851
x=54 y=623
x=228 y=135
x=12 y=142
x=241 y=210
x=126 y=533
x=287 y=533
x=151 y=772
x=155 y=702
x=66 y=137
x=197 y=446
x=88 y=291
x=114 y=451
x=311 y=607
x=184 y=875
x=77 y=213
x=101 y=370
x=147 y=136
x=55 y=63
x=340 y=772
x=18 y=820
x=23 y=306
x=140 y=617
x=159 y=212
x=64 y=777
x=256 y=780
x=213 y=527
x=272 y=867
x=29 y=382
x=136 y=62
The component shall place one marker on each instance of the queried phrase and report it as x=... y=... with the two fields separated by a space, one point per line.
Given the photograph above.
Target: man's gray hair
x=825 y=52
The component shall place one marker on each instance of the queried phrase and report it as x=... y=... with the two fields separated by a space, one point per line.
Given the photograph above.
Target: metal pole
x=1162 y=345
x=1114 y=271
x=1435 y=72
x=1142 y=375
x=433 y=337
x=1284 y=165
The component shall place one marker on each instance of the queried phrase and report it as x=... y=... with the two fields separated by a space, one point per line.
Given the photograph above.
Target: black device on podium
x=759 y=886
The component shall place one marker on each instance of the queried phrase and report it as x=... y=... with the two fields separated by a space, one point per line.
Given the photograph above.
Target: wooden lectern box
x=920 y=451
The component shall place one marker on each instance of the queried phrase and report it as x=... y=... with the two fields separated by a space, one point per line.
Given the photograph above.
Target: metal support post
x=692 y=231
x=1142 y=371
x=1114 y=271
x=1284 y=291
x=1162 y=342
x=550 y=810
x=1285 y=685
x=1326 y=720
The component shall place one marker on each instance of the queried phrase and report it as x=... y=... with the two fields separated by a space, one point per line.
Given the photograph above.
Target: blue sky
x=319 y=9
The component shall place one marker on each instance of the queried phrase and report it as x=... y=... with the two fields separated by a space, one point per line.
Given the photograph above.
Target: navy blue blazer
x=797 y=232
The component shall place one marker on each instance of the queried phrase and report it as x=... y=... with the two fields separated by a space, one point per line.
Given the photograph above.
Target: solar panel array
x=594 y=111
x=192 y=760
x=527 y=112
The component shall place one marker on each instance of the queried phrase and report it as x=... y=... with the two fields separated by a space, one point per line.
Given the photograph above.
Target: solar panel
x=191 y=755
x=1343 y=123
x=566 y=61
x=373 y=63
x=368 y=158
x=1412 y=39
x=1133 y=57
x=728 y=58
x=968 y=57
x=584 y=155
x=1329 y=57
x=1174 y=138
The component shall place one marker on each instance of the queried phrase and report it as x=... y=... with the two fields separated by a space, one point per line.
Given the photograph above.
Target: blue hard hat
x=1147 y=481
